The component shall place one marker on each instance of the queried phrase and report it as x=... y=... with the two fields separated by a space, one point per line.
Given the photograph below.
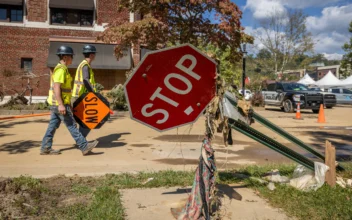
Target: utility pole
x=244 y=69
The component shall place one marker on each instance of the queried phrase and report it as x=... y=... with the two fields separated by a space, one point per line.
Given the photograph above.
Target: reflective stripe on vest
x=79 y=82
x=79 y=87
x=53 y=98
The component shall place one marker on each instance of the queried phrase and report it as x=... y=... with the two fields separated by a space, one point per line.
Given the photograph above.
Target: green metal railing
x=286 y=135
x=274 y=145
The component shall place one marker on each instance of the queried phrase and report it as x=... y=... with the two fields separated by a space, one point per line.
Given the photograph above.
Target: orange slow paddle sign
x=91 y=110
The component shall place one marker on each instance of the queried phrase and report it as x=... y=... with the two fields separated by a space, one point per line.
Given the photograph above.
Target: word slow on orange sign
x=91 y=110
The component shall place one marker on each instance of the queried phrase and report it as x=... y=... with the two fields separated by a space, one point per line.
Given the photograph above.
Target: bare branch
x=286 y=37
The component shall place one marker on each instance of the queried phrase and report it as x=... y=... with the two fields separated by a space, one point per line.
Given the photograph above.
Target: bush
x=99 y=87
x=118 y=98
x=257 y=99
x=36 y=106
x=42 y=106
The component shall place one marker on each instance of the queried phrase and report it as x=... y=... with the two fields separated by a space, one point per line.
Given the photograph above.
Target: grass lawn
x=99 y=198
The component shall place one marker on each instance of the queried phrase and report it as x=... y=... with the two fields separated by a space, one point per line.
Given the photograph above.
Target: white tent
x=329 y=80
x=347 y=83
x=307 y=80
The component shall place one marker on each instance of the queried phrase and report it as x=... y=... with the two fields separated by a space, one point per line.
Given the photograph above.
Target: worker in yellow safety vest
x=84 y=80
x=59 y=100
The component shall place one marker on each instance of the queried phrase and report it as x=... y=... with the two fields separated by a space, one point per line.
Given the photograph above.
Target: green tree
x=285 y=36
x=199 y=22
x=230 y=71
x=319 y=58
x=264 y=62
x=264 y=54
x=346 y=63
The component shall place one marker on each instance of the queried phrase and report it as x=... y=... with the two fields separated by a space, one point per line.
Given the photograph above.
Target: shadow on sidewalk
x=111 y=140
x=2 y=134
x=13 y=123
x=223 y=190
x=92 y=153
x=341 y=140
x=108 y=141
x=19 y=147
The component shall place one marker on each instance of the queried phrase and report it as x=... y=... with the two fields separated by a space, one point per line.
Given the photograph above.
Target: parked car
x=330 y=99
x=343 y=96
x=248 y=94
x=287 y=95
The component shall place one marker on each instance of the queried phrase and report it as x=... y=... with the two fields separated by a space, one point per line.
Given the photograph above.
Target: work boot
x=90 y=147
x=50 y=151
x=76 y=145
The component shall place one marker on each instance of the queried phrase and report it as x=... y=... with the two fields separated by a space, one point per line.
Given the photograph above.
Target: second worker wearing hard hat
x=84 y=80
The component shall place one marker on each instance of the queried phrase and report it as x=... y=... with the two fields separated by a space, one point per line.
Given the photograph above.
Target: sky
x=328 y=20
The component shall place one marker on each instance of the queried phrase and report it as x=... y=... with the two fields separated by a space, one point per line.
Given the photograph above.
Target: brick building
x=317 y=73
x=31 y=31
x=323 y=70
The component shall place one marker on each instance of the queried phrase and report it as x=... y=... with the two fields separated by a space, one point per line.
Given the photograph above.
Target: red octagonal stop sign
x=171 y=87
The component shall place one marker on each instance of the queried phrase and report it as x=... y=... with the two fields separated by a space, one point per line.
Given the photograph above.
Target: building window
x=11 y=13
x=26 y=64
x=3 y=14
x=71 y=17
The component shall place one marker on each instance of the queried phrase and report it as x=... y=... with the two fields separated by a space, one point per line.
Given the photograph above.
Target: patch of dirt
x=196 y=138
x=72 y=200
x=180 y=138
x=29 y=198
x=141 y=145
x=225 y=151
x=178 y=161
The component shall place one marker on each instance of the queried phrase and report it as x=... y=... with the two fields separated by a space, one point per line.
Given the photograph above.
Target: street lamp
x=244 y=51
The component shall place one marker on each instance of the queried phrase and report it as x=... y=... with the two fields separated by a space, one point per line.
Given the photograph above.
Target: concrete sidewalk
x=238 y=203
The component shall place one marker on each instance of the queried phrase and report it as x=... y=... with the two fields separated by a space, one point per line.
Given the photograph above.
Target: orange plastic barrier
x=24 y=116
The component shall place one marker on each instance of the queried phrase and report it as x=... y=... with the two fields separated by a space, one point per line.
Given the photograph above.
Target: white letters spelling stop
x=171 y=87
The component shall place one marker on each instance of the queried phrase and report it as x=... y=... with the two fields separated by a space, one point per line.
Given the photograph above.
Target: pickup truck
x=343 y=96
x=287 y=95
x=329 y=100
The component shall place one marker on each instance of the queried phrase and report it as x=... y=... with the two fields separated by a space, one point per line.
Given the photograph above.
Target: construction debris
x=349 y=183
x=271 y=186
x=305 y=180
x=275 y=177
x=255 y=179
x=341 y=182
x=147 y=181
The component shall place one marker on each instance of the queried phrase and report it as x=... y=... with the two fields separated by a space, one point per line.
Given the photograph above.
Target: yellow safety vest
x=78 y=87
x=66 y=87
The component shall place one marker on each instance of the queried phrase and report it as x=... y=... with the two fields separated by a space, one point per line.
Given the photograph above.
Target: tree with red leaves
x=172 y=22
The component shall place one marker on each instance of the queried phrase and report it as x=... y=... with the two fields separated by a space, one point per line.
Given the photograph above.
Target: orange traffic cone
x=298 y=111
x=321 y=117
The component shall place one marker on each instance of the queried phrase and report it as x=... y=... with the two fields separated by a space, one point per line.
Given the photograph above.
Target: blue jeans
x=55 y=120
